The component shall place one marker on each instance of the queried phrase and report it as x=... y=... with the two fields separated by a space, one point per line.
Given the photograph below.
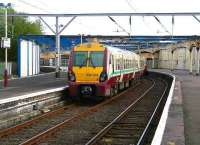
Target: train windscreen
x=96 y=59
x=80 y=58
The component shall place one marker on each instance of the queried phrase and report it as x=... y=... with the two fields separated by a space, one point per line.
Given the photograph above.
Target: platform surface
x=183 y=124
x=18 y=87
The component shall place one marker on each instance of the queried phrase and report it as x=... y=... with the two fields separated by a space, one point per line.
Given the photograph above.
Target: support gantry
x=57 y=33
x=197 y=69
x=172 y=61
x=191 y=57
x=58 y=49
x=172 y=54
x=153 y=61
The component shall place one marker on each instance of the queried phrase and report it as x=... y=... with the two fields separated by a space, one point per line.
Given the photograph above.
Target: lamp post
x=6 y=44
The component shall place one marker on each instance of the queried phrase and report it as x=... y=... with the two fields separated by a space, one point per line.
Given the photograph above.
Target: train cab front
x=86 y=76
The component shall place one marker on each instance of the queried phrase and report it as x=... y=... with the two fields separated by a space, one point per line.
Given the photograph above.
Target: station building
x=158 y=51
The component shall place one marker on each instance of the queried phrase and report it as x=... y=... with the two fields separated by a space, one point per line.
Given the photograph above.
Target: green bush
x=17 y=26
x=1 y=69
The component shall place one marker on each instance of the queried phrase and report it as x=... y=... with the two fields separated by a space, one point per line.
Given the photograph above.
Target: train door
x=111 y=65
x=133 y=66
x=121 y=63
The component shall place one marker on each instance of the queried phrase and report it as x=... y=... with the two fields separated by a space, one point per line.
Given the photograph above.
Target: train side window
x=110 y=60
x=128 y=63
x=116 y=64
x=113 y=65
x=127 y=66
x=131 y=63
x=122 y=63
x=125 y=63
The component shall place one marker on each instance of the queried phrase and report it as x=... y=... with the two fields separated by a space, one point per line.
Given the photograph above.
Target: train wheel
x=126 y=84
x=99 y=98
x=112 y=91
x=116 y=89
x=76 y=99
x=130 y=83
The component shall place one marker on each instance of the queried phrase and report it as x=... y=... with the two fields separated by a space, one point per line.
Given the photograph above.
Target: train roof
x=99 y=46
x=115 y=49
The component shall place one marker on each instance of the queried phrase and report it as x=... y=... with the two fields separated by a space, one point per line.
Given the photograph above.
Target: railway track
x=24 y=131
x=42 y=123
x=131 y=126
x=82 y=130
x=75 y=127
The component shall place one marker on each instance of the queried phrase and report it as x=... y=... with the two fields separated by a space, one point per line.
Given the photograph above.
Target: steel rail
x=152 y=116
x=103 y=14
x=18 y=127
x=39 y=137
x=101 y=133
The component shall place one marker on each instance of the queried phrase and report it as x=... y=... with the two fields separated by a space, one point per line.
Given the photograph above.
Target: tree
x=17 y=26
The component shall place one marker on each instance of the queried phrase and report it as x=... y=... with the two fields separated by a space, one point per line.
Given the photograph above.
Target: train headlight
x=103 y=77
x=71 y=76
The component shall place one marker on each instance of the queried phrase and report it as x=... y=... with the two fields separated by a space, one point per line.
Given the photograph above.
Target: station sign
x=5 y=42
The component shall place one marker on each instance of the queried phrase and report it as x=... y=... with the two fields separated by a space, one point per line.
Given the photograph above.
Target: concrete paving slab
x=29 y=85
x=174 y=130
x=184 y=116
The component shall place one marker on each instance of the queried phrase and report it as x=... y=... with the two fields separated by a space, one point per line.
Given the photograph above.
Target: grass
x=1 y=77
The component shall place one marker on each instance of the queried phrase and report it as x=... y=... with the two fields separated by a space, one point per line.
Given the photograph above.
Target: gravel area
x=81 y=131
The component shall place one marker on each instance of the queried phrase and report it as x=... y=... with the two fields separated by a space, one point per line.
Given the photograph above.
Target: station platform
x=182 y=127
x=19 y=87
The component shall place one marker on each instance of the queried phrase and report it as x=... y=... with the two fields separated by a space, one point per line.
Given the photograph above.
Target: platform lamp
x=5 y=43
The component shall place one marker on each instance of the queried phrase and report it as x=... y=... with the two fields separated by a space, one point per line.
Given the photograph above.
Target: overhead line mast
x=105 y=14
x=110 y=15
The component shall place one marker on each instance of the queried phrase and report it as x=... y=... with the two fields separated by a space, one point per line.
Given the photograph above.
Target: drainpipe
x=197 y=73
x=153 y=60
x=191 y=58
x=172 y=61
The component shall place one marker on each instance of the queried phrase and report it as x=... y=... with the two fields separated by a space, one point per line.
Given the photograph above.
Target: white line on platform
x=157 y=139
x=31 y=95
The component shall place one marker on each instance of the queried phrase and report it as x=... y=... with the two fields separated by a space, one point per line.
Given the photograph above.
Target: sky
x=104 y=26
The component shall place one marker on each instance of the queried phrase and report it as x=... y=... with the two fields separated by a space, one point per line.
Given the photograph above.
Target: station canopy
x=47 y=42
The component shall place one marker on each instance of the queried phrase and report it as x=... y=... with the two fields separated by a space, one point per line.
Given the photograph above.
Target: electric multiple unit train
x=97 y=70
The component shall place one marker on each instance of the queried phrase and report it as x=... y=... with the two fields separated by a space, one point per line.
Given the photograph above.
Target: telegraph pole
x=6 y=44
